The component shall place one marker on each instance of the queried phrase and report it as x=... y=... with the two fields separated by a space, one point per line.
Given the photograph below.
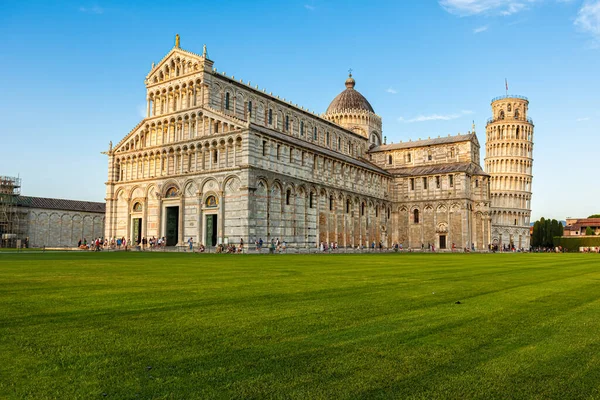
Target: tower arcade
x=509 y=161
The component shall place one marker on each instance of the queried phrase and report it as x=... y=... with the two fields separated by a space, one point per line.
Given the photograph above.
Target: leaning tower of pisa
x=509 y=150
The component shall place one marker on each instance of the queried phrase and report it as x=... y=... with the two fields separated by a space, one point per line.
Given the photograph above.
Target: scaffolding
x=11 y=216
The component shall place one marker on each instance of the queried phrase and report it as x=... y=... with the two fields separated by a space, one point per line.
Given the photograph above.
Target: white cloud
x=309 y=7
x=582 y=119
x=481 y=29
x=141 y=109
x=488 y=7
x=588 y=20
x=91 y=10
x=435 y=117
x=392 y=91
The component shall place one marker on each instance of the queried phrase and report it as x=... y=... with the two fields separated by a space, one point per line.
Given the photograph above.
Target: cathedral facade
x=218 y=160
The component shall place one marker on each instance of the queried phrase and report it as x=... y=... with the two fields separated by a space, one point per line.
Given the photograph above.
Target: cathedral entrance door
x=442 y=242
x=172 y=225
x=211 y=230
x=137 y=230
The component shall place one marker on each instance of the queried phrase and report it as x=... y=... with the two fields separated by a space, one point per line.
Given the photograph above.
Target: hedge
x=572 y=244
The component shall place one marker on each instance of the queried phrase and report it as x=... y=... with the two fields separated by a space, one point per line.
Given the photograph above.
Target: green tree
x=535 y=236
x=594 y=216
x=554 y=230
x=589 y=231
x=544 y=232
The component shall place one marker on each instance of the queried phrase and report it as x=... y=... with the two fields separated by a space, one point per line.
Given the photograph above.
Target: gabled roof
x=434 y=169
x=62 y=204
x=427 y=142
x=174 y=50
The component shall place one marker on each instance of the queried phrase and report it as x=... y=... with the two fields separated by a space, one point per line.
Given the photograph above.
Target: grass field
x=186 y=326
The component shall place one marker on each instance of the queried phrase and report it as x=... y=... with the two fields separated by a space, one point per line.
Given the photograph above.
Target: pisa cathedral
x=218 y=160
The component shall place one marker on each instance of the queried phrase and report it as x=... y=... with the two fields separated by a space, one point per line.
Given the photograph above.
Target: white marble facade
x=218 y=160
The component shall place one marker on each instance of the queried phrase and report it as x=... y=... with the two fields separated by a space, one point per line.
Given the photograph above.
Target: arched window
x=270 y=116
x=517 y=132
x=315 y=134
x=327 y=138
x=311 y=202
x=339 y=143
x=287 y=123
x=501 y=115
x=330 y=203
x=137 y=207
x=362 y=209
x=227 y=100
x=250 y=108
x=516 y=114
x=302 y=128
x=390 y=159
x=348 y=206
x=288 y=194
x=509 y=108
x=416 y=216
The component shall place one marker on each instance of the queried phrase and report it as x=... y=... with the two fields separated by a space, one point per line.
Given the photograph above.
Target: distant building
x=578 y=226
x=44 y=222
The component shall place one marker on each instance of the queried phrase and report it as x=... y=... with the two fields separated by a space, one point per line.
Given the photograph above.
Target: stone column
x=145 y=219
x=159 y=217
x=200 y=217
x=221 y=218
x=127 y=220
x=180 y=238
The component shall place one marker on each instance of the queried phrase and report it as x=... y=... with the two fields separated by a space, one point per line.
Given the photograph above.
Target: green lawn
x=187 y=326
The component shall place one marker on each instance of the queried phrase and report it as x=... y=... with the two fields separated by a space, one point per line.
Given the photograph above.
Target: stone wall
x=57 y=228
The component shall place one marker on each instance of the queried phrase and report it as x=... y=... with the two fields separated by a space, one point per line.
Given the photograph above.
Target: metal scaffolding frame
x=11 y=216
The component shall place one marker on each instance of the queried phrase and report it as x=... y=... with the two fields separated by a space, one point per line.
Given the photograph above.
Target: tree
x=544 y=232
x=535 y=236
x=594 y=216
x=589 y=231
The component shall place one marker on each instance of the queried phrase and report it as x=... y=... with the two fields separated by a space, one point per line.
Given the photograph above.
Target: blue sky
x=72 y=76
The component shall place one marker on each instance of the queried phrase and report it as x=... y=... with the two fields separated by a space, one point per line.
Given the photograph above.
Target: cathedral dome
x=349 y=99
